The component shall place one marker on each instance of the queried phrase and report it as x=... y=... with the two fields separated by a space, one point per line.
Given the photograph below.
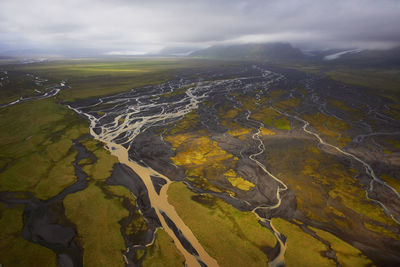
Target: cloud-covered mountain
x=123 y=26
x=267 y=51
x=284 y=52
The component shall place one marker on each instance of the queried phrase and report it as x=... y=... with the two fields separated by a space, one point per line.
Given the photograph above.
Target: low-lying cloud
x=99 y=26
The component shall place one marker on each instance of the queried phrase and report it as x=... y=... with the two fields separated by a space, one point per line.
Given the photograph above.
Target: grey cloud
x=149 y=26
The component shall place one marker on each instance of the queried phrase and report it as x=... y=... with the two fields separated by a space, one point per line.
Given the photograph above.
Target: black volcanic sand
x=148 y=149
x=158 y=183
x=124 y=176
x=182 y=239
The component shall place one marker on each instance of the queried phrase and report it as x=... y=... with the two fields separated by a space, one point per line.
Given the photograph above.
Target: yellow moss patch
x=326 y=191
x=238 y=181
x=265 y=131
x=351 y=194
x=239 y=131
x=271 y=118
x=346 y=254
x=177 y=140
x=343 y=106
x=331 y=209
x=200 y=181
x=247 y=103
x=230 y=114
x=189 y=121
x=330 y=127
x=276 y=93
x=288 y=103
x=178 y=91
x=391 y=181
x=199 y=151
x=235 y=129
x=396 y=144
x=202 y=158
x=381 y=230
x=302 y=91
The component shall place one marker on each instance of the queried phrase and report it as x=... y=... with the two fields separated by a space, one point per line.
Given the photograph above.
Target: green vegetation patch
x=271 y=118
x=99 y=77
x=331 y=128
x=282 y=124
x=311 y=248
x=385 y=80
x=102 y=168
x=187 y=123
x=381 y=230
x=16 y=251
x=178 y=91
x=36 y=147
x=238 y=181
x=227 y=116
x=205 y=162
x=232 y=237
x=326 y=190
x=395 y=143
x=97 y=219
x=346 y=254
x=59 y=176
x=163 y=252
x=393 y=182
x=288 y=104
x=137 y=227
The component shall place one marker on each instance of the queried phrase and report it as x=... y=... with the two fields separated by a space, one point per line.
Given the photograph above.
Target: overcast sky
x=130 y=26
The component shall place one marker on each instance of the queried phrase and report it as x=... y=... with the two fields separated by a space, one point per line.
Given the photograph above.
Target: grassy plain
x=16 y=251
x=36 y=141
x=36 y=155
x=380 y=81
x=163 y=252
x=232 y=237
x=97 y=219
x=312 y=250
x=98 y=77
x=326 y=191
x=36 y=152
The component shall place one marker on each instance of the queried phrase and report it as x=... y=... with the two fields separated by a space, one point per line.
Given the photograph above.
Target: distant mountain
x=285 y=52
x=175 y=51
x=388 y=58
x=262 y=52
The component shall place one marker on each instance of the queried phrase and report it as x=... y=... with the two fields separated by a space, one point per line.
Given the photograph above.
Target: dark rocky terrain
x=281 y=143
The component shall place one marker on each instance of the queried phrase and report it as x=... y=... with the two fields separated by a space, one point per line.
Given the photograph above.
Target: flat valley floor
x=167 y=163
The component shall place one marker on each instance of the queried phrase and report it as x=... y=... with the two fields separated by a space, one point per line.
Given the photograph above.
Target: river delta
x=247 y=164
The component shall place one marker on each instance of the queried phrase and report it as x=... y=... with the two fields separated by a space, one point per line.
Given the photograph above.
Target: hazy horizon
x=97 y=27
